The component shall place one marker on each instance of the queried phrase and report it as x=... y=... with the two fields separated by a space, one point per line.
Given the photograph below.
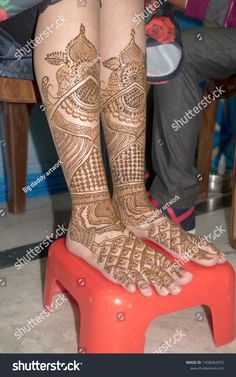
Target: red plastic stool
x=115 y=321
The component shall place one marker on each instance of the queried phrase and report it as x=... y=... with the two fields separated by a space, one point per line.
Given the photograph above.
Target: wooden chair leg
x=233 y=208
x=206 y=135
x=16 y=128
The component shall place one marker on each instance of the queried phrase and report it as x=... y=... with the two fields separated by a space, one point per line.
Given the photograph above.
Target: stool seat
x=115 y=321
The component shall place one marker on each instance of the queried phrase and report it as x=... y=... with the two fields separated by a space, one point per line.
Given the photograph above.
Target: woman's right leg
x=67 y=70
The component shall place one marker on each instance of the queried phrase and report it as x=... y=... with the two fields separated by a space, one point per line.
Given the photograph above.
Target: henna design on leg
x=79 y=144
x=123 y=102
x=124 y=110
x=73 y=114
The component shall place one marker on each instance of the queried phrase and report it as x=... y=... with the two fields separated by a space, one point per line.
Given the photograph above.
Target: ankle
x=134 y=193
x=93 y=219
x=126 y=190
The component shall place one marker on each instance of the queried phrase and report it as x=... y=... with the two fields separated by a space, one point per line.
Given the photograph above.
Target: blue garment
x=16 y=31
x=9 y=65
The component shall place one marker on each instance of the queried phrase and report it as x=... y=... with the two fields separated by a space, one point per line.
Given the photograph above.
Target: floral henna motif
x=123 y=102
x=94 y=222
x=77 y=78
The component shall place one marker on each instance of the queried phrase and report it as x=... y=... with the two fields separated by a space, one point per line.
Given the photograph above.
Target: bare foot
x=146 y=222
x=97 y=236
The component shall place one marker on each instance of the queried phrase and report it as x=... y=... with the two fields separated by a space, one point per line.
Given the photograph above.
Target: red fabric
x=3 y=15
x=179 y=219
x=161 y=29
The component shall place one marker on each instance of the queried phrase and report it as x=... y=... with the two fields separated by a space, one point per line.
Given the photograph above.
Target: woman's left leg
x=123 y=95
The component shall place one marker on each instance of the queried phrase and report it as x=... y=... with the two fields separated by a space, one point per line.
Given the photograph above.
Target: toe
x=146 y=291
x=122 y=278
x=167 y=281
x=222 y=258
x=180 y=275
x=130 y=288
x=161 y=291
x=142 y=283
x=158 y=285
x=212 y=250
x=174 y=289
x=205 y=258
x=183 y=277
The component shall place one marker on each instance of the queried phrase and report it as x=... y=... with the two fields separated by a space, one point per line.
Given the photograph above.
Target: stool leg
x=52 y=286
x=101 y=331
x=223 y=319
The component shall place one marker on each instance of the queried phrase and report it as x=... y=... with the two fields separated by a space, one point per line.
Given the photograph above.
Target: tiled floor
x=42 y=216
x=21 y=299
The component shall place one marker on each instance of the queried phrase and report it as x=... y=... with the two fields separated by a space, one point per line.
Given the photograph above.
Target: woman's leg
x=67 y=70
x=124 y=98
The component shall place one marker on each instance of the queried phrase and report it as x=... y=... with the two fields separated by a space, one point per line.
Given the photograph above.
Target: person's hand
x=180 y=4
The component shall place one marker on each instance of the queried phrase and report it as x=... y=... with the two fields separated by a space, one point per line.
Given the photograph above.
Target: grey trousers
x=209 y=53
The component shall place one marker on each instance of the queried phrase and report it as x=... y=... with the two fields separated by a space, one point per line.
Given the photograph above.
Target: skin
x=92 y=67
x=69 y=74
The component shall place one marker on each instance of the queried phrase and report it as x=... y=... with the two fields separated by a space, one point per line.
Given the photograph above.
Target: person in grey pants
x=208 y=53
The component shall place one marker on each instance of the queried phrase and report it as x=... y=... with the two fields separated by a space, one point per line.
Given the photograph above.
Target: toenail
x=165 y=290
x=147 y=292
x=185 y=273
x=176 y=289
x=131 y=288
